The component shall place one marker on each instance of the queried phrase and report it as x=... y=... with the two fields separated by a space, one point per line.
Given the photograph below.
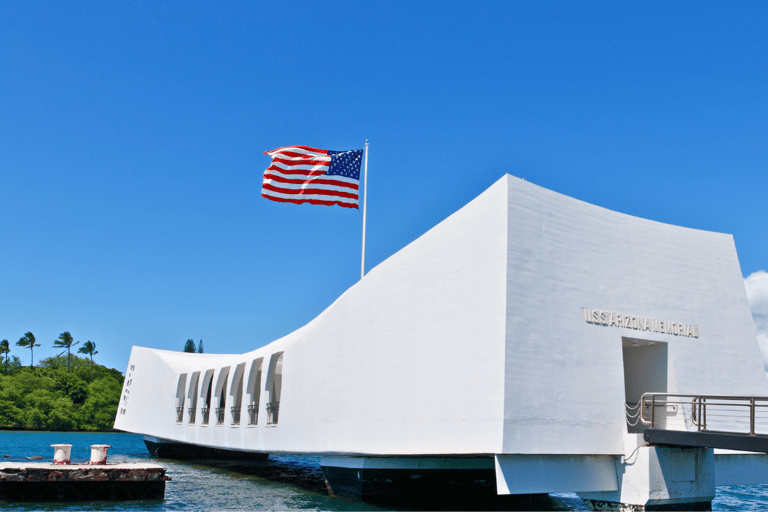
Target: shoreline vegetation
x=81 y=431
x=61 y=393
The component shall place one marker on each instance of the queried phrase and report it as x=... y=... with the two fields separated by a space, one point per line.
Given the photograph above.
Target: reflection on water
x=277 y=483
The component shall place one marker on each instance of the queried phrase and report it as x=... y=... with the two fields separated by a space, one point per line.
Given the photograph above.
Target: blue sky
x=132 y=139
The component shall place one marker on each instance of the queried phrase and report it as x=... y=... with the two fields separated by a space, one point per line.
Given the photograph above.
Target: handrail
x=743 y=414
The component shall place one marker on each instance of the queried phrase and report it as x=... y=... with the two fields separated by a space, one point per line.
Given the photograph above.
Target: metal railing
x=192 y=414
x=253 y=414
x=235 y=415
x=179 y=414
x=219 y=415
x=206 y=413
x=699 y=413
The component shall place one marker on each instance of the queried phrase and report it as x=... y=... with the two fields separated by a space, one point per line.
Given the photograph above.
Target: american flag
x=300 y=174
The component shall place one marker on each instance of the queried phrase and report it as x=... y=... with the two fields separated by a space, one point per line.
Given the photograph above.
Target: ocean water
x=278 y=483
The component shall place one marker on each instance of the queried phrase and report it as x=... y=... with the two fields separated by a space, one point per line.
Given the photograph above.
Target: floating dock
x=40 y=481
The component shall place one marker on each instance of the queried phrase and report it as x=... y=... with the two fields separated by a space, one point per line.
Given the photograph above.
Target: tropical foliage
x=4 y=349
x=58 y=394
x=28 y=341
x=65 y=341
x=89 y=348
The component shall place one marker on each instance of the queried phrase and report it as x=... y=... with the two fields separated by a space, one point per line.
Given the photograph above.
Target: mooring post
x=61 y=453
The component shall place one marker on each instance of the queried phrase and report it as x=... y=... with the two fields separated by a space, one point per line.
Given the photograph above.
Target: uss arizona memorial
x=509 y=346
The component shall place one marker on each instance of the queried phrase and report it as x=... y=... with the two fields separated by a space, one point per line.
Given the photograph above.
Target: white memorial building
x=513 y=340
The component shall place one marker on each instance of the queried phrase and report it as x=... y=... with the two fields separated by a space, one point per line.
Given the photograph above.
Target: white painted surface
x=408 y=361
x=471 y=340
x=740 y=468
x=527 y=474
x=656 y=475
x=99 y=453
x=564 y=383
x=61 y=453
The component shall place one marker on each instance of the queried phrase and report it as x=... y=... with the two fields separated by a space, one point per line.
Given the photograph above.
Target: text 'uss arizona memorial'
x=613 y=319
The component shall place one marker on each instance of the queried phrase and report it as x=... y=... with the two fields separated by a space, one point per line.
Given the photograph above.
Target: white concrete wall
x=408 y=361
x=471 y=339
x=564 y=390
x=661 y=476
x=740 y=468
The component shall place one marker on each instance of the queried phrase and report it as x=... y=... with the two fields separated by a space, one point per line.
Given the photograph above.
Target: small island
x=64 y=393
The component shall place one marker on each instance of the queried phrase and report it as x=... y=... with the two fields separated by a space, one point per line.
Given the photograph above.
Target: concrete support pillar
x=660 y=478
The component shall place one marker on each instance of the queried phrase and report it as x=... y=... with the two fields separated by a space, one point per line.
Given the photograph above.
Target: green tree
x=15 y=364
x=10 y=413
x=4 y=349
x=65 y=341
x=189 y=346
x=49 y=396
x=89 y=348
x=200 y=347
x=28 y=341
x=73 y=386
x=100 y=408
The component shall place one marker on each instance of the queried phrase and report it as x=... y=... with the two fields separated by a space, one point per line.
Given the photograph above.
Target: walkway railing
x=736 y=414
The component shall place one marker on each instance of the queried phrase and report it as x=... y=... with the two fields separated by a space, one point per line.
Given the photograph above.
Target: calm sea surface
x=278 y=483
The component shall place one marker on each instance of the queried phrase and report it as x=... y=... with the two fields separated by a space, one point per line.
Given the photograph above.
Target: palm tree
x=65 y=341
x=28 y=341
x=89 y=348
x=4 y=349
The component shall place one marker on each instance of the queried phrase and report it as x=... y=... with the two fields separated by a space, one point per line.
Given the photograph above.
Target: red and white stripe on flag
x=299 y=174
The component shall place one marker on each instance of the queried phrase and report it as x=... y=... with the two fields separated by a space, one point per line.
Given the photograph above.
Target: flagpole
x=365 y=203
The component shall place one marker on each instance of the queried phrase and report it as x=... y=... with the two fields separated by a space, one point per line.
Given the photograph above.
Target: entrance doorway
x=645 y=371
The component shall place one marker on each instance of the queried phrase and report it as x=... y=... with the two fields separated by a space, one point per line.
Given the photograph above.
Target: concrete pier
x=81 y=482
x=660 y=478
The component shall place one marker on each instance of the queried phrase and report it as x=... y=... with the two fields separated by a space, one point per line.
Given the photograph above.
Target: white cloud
x=757 y=294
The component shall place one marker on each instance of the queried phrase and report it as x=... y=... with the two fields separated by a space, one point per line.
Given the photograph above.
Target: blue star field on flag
x=345 y=163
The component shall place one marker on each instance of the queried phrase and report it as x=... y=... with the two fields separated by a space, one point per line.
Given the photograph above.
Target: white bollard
x=99 y=453
x=61 y=453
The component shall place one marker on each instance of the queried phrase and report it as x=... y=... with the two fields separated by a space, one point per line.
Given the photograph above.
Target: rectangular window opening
x=274 y=387
x=181 y=388
x=254 y=391
x=221 y=394
x=237 y=393
x=205 y=394
x=192 y=395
